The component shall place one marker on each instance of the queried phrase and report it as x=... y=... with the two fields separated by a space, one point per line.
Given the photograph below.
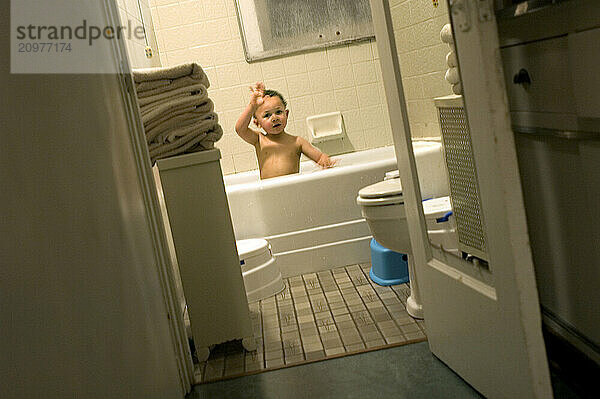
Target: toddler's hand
x=257 y=93
x=326 y=162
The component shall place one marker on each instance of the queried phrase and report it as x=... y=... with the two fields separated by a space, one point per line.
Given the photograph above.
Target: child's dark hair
x=274 y=93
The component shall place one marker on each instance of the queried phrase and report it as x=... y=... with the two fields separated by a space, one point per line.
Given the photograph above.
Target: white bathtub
x=311 y=218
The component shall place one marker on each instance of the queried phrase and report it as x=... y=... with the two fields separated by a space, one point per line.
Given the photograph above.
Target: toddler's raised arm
x=241 y=126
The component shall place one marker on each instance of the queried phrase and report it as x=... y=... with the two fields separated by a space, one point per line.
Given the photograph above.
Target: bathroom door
x=482 y=317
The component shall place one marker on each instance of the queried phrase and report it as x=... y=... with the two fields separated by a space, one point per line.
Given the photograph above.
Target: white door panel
x=483 y=320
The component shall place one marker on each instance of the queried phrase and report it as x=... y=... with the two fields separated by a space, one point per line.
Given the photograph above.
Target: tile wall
x=417 y=25
x=132 y=13
x=345 y=78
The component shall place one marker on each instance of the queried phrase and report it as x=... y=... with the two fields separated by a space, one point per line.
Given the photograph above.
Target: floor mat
x=318 y=316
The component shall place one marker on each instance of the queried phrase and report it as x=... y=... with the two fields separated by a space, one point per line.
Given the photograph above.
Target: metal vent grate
x=462 y=173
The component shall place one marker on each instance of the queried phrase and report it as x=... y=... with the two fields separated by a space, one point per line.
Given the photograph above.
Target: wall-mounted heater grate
x=462 y=173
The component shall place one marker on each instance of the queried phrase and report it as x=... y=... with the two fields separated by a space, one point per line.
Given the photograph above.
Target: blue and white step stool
x=387 y=267
x=261 y=274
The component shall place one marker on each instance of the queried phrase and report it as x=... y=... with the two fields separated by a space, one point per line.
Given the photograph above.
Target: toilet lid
x=393 y=200
x=251 y=247
x=382 y=189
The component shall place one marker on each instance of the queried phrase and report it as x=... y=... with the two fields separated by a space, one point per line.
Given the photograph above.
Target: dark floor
x=409 y=371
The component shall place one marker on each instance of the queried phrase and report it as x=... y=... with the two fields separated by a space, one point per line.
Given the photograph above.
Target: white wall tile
x=364 y=72
x=342 y=76
x=375 y=49
x=203 y=55
x=316 y=60
x=179 y=56
x=369 y=95
x=301 y=107
x=170 y=16
x=320 y=81
x=325 y=102
x=338 y=56
x=357 y=139
x=228 y=73
x=373 y=117
x=434 y=85
x=216 y=30
x=353 y=120
x=361 y=52
x=250 y=73
x=192 y=11
x=164 y=2
x=272 y=69
x=227 y=166
x=229 y=51
x=413 y=88
x=294 y=65
x=346 y=99
x=245 y=161
x=234 y=27
x=377 y=137
x=298 y=85
x=216 y=8
x=174 y=38
x=211 y=74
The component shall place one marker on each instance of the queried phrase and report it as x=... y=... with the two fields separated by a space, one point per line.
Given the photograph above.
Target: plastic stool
x=387 y=267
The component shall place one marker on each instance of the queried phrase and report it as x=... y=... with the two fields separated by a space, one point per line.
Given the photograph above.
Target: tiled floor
x=319 y=315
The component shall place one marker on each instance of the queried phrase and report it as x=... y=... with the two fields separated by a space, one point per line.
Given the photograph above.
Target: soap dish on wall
x=325 y=127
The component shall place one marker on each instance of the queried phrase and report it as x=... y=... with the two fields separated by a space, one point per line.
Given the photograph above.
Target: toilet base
x=413 y=308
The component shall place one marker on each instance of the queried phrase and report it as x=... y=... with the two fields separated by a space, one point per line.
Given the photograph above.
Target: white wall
x=417 y=25
x=345 y=78
x=81 y=309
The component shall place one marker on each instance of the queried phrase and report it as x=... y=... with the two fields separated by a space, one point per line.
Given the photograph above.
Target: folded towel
x=192 y=112
x=192 y=70
x=150 y=85
x=446 y=34
x=180 y=126
x=167 y=109
x=191 y=142
x=177 y=121
x=161 y=86
x=159 y=99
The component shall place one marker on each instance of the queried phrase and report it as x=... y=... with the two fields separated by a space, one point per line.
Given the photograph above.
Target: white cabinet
x=194 y=205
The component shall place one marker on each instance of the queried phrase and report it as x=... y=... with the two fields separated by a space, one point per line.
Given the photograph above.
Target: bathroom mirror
x=270 y=28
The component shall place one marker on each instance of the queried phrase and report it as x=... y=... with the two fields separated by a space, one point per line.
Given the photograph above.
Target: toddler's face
x=271 y=115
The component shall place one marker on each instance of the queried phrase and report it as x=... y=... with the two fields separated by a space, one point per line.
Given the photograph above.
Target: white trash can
x=262 y=277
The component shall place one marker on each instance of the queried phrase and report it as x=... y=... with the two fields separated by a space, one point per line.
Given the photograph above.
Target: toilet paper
x=451 y=59
x=452 y=76
x=457 y=88
x=446 y=34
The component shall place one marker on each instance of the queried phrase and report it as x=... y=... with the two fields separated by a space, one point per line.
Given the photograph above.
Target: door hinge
x=484 y=10
x=460 y=14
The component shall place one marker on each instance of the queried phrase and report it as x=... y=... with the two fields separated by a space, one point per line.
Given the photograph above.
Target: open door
x=482 y=313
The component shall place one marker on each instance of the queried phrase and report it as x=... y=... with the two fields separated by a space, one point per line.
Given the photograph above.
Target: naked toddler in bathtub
x=278 y=152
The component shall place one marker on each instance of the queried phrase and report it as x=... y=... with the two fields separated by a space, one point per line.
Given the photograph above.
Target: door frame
x=164 y=270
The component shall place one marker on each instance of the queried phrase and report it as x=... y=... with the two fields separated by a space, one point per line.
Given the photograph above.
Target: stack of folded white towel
x=177 y=114
x=452 y=75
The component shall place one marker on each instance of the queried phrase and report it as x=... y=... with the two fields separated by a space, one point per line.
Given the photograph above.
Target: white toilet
x=382 y=205
x=262 y=277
